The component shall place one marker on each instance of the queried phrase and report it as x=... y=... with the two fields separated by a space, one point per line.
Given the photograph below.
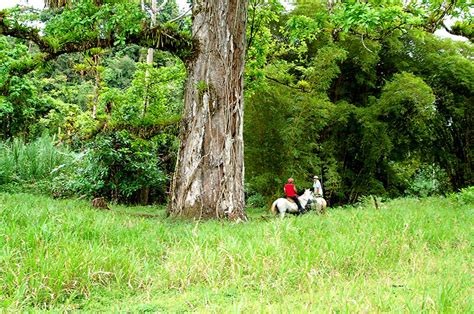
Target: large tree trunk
x=208 y=181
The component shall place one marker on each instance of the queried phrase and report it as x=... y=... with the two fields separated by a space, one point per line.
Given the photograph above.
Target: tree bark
x=208 y=181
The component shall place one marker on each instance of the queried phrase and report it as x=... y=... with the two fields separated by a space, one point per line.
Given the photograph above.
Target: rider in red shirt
x=290 y=192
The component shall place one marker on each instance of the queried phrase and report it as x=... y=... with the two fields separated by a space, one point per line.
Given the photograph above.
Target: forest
x=360 y=93
x=142 y=143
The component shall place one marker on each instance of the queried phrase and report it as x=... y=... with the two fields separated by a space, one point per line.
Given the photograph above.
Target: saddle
x=290 y=200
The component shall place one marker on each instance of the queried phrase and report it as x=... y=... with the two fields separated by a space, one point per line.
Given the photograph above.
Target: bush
x=264 y=184
x=118 y=166
x=256 y=201
x=429 y=180
x=465 y=196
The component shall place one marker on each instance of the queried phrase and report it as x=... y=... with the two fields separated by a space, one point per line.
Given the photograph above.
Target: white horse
x=282 y=205
x=319 y=204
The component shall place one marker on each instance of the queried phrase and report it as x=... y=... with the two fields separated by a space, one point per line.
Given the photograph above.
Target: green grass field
x=410 y=256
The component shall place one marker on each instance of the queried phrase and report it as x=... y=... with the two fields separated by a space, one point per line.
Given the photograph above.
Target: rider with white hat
x=318 y=189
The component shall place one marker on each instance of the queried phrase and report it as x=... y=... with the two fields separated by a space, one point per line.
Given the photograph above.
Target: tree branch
x=159 y=37
x=161 y=7
x=181 y=15
x=284 y=83
x=459 y=29
x=438 y=16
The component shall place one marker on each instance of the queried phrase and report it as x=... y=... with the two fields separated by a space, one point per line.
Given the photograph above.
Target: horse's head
x=308 y=195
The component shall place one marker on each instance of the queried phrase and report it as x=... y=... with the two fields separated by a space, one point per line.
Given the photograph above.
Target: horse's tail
x=321 y=205
x=325 y=204
x=274 y=208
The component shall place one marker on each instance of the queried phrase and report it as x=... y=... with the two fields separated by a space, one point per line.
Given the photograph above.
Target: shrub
x=118 y=166
x=264 y=184
x=429 y=180
x=256 y=200
x=465 y=196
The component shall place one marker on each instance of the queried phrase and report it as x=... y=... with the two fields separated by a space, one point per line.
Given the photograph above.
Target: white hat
x=315 y=177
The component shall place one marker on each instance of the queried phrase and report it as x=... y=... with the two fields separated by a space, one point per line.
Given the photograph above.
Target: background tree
x=360 y=93
x=348 y=60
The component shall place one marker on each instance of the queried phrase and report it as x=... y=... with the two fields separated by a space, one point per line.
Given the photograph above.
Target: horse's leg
x=279 y=208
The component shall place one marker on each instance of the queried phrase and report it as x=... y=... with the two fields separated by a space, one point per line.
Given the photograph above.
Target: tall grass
x=22 y=162
x=410 y=256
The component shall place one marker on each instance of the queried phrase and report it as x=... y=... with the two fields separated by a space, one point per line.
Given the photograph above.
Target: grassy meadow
x=413 y=255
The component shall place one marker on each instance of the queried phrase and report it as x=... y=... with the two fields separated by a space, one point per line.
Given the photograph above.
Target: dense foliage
x=94 y=103
x=362 y=94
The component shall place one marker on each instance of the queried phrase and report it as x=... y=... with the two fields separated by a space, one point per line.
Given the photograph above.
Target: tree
x=208 y=181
